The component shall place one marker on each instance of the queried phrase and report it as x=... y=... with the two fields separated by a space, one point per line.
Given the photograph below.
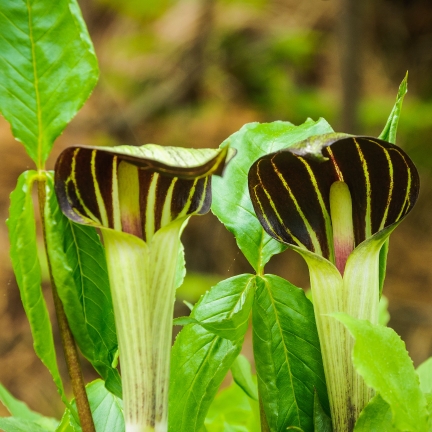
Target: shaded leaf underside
x=128 y=192
x=291 y=193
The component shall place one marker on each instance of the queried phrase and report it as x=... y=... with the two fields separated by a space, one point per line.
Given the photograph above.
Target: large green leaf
x=225 y=309
x=199 y=362
x=13 y=424
x=233 y=411
x=380 y=357
x=231 y=202
x=49 y=69
x=79 y=270
x=24 y=256
x=106 y=408
x=287 y=354
x=375 y=417
x=21 y=412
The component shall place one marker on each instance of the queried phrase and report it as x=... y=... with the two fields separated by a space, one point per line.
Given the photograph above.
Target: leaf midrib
x=39 y=163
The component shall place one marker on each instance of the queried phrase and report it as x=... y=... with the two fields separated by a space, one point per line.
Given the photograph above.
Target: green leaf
x=322 y=422
x=80 y=273
x=424 y=371
x=106 y=408
x=389 y=134
x=20 y=411
x=25 y=262
x=390 y=129
x=384 y=316
x=380 y=357
x=199 y=362
x=231 y=201
x=375 y=417
x=287 y=354
x=13 y=424
x=49 y=69
x=225 y=309
x=242 y=375
x=233 y=411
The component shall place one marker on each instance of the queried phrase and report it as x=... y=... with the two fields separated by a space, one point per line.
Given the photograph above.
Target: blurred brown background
x=192 y=72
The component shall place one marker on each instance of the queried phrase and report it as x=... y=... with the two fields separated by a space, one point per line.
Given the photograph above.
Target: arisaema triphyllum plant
x=141 y=199
x=335 y=199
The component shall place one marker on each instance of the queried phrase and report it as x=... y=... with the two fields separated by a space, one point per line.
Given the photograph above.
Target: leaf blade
x=287 y=354
x=49 y=69
x=380 y=357
x=23 y=253
x=231 y=202
x=79 y=270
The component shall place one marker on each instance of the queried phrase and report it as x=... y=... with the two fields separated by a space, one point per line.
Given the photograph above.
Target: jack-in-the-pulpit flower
x=141 y=198
x=335 y=199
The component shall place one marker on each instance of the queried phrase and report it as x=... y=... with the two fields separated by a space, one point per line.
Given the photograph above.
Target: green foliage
x=49 y=69
x=287 y=354
x=242 y=375
x=106 y=408
x=225 y=309
x=231 y=201
x=321 y=421
x=380 y=357
x=390 y=129
x=79 y=271
x=375 y=417
x=424 y=371
x=23 y=253
x=199 y=362
x=22 y=416
x=233 y=411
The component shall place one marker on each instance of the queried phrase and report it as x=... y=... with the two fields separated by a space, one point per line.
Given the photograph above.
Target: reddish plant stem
x=69 y=347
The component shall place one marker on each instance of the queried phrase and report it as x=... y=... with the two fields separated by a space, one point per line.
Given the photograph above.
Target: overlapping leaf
x=22 y=416
x=80 y=274
x=380 y=357
x=225 y=309
x=106 y=409
x=199 y=362
x=231 y=201
x=287 y=354
x=49 y=68
x=24 y=256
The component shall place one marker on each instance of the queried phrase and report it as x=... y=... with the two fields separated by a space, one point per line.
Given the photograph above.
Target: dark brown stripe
x=180 y=195
x=162 y=187
x=145 y=178
x=103 y=169
x=84 y=180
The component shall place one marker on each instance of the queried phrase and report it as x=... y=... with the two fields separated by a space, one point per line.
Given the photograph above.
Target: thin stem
x=68 y=342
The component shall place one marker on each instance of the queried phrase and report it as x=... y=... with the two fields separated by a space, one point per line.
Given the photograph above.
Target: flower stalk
x=335 y=199
x=141 y=199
